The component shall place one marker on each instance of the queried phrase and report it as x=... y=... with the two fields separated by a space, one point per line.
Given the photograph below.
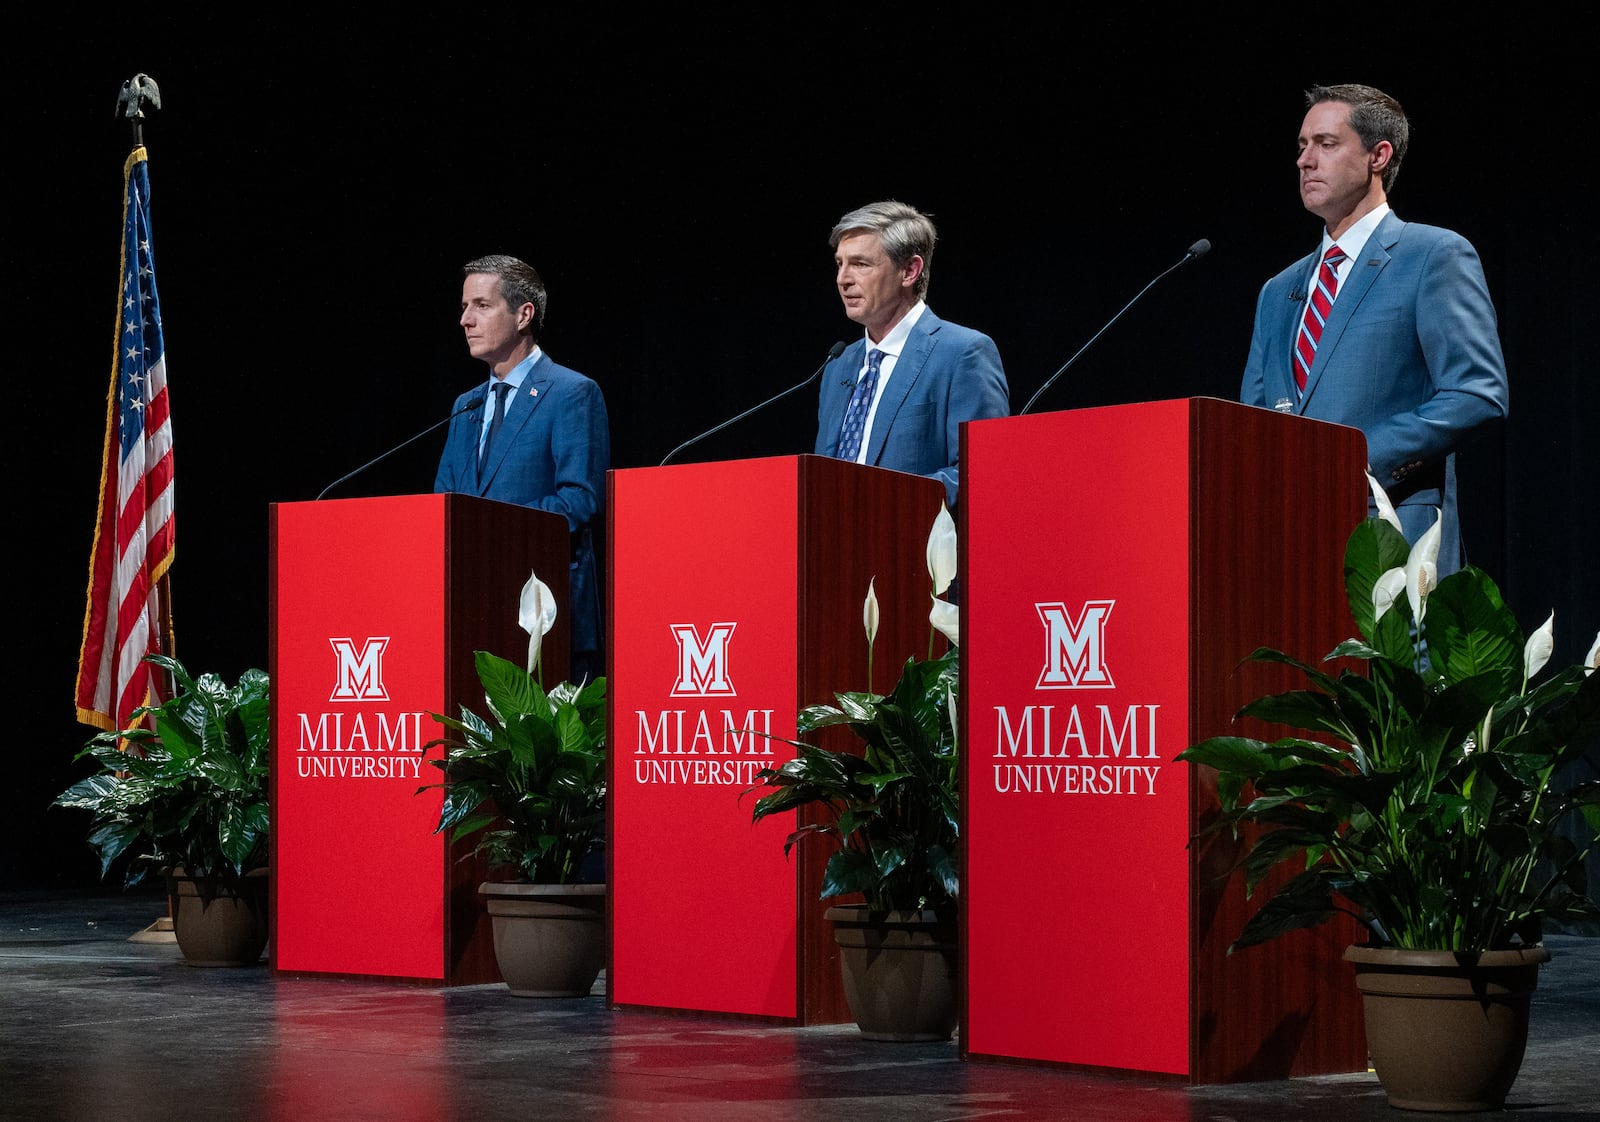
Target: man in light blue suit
x=896 y=397
x=539 y=439
x=1388 y=327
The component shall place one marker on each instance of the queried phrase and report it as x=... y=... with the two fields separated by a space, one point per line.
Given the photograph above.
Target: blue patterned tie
x=855 y=418
x=500 y=392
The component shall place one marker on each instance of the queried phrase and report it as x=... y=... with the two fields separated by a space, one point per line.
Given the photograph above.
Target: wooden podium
x=735 y=599
x=1118 y=564
x=377 y=606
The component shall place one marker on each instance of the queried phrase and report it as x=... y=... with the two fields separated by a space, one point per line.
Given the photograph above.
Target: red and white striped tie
x=1317 y=309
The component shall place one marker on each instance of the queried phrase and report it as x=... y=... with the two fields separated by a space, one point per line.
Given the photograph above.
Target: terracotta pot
x=899 y=971
x=1446 y=1031
x=219 y=921
x=549 y=939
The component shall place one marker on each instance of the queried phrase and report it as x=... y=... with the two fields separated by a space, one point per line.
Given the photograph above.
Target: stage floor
x=97 y=1027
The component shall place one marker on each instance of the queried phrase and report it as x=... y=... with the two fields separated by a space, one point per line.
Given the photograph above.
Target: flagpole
x=127 y=612
x=137 y=93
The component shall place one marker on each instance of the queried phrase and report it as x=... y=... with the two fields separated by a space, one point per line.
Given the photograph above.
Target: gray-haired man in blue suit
x=896 y=397
x=1396 y=335
x=551 y=445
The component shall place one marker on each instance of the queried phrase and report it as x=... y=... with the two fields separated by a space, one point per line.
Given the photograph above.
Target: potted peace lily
x=182 y=792
x=1423 y=796
x=889 y=807
x=528 y=781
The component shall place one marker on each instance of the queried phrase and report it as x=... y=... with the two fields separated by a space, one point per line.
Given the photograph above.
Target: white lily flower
x=942 y=551
x=1381 y=498
x=1386 y=590
x=1539 y=647
x=536 y=614
x=869 y=612
x=1591 y=661
x=946 y=619
x=1422 y=569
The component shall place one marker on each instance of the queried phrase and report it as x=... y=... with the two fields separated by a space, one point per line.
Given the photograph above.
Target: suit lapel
x=907 y=368
x=1358 y=282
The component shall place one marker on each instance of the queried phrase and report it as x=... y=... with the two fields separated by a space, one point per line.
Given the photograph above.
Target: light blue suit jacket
x=1409 y=355
x=945 y=374
x=551 y=453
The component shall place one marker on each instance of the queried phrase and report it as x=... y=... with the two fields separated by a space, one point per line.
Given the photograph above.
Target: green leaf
x=1302 y=709
x=1303 y=902
x=848 y=871
x=1392 y=637
x=1373 y=548
x=1471 y=632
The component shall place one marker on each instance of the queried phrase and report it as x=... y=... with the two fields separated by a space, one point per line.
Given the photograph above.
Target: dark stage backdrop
x=318 y=181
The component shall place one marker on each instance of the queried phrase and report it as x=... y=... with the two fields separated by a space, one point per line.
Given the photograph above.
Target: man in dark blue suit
x=896 y=398
x=1387 y=327
x=541 y=438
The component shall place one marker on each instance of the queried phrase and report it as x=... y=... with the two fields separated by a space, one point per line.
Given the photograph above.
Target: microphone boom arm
x=833 y=352
x=1197 y=250
x=475 y=403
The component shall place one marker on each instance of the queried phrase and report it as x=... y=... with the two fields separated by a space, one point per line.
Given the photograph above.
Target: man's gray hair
x=904 y=231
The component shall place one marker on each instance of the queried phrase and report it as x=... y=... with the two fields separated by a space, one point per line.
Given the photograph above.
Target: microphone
x=475 y=403
x=1196 y=251
x=833 y=352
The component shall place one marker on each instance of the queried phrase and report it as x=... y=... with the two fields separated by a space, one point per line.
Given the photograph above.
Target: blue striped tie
x=855 y=418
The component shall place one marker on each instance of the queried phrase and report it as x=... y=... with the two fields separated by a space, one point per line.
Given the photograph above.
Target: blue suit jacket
x=946 y=374
x=551 y=453
x=1409 y=355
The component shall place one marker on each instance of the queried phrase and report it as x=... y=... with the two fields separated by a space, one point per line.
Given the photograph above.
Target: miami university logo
x=1075 y=649
x=703 y=663
x=360 y=673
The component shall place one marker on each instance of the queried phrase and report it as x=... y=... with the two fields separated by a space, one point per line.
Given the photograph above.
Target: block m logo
x=360 y=673
x=1074 y=650
x=702 y=664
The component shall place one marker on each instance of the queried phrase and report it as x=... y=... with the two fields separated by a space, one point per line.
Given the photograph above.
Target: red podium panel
x=377 y=606
x=736 y=594
x=1107 y=605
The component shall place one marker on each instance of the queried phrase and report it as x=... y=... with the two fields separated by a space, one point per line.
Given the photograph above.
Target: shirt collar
x=1355 y=238
x=519 y=372
x=895 y=342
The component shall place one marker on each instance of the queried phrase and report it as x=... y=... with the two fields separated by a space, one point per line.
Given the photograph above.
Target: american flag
x=133 y=530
